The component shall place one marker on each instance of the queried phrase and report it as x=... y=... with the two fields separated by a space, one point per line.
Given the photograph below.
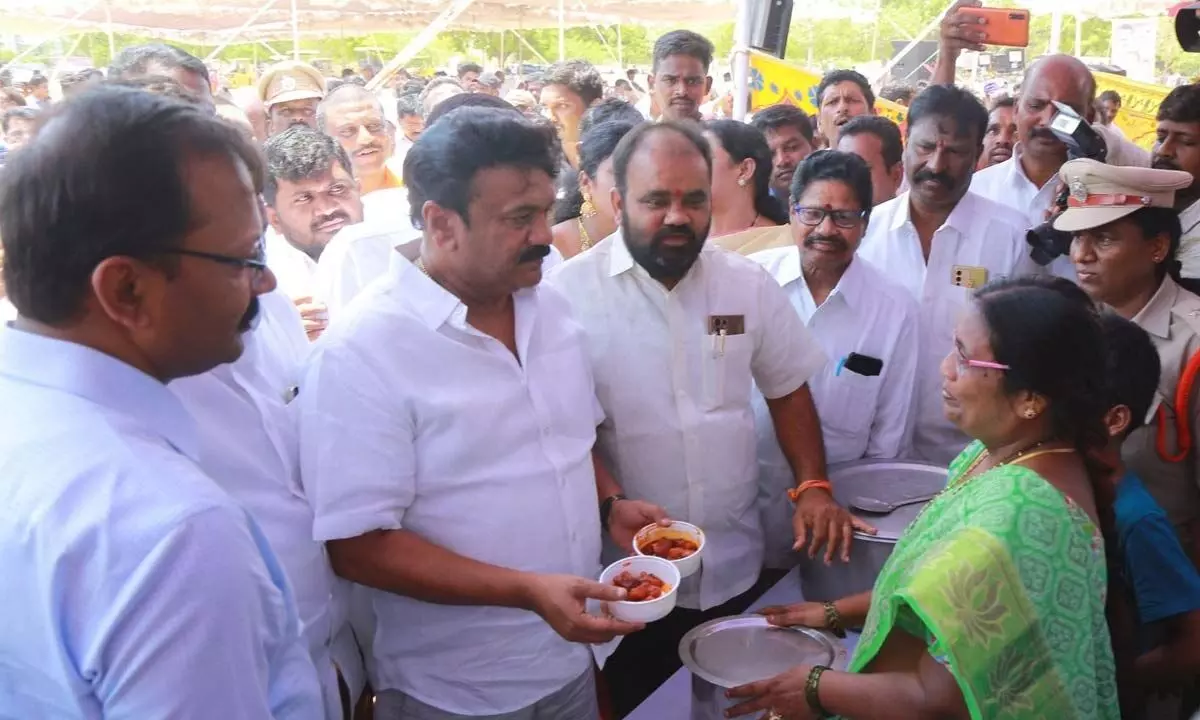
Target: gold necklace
x=1020 y=456
x=420 y=263
x=585 y=240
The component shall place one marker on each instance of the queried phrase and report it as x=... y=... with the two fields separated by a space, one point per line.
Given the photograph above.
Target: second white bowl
x=649 y=610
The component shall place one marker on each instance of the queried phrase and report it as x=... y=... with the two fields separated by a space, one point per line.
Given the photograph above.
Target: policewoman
x=1126 y=237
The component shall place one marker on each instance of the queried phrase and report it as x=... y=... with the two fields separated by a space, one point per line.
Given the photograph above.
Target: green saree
x=1005 y=580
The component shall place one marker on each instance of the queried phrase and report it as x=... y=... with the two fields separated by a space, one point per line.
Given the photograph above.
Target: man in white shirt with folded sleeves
x=865 y=323
x=678 y=331
x=940 y=241
x=447 y=423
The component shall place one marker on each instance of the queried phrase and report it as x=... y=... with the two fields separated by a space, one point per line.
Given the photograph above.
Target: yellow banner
x=1139 y=106
x=774 y=81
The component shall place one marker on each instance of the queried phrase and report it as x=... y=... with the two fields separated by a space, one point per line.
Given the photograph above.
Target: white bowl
x=649 y=610
x=677 y=529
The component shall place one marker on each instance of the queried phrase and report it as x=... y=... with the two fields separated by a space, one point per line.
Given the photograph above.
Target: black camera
x=1082 y=141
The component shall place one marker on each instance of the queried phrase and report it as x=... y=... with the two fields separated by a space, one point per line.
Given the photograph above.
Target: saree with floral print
x=1004 y=578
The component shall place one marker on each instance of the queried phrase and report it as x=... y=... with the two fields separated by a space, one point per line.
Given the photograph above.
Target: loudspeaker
x=1187 y=27
x=770 y=21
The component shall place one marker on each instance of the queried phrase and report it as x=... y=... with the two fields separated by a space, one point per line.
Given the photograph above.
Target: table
x=673 y=699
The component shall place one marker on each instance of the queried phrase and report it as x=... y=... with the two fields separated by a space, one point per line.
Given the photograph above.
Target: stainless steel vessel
x=732 y=651
x=890 y=481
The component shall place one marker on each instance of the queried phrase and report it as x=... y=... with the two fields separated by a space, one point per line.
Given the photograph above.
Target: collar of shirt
x=848 y=287
x=619 y=259
x=1189 y=218
x=1155 y=318
x=959 y=219
x=101 y=379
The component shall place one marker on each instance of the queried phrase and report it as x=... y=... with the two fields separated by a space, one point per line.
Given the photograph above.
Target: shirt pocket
x=726 y=379
x=848 y=406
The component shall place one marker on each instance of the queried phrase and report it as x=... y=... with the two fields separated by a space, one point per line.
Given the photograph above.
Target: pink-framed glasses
x=962 y=363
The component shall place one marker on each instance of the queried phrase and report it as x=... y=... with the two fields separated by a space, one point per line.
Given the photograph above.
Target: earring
x=741 y=182
x=587 y=209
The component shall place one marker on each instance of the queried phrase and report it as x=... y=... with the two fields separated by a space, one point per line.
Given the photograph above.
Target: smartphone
x=1005 y=26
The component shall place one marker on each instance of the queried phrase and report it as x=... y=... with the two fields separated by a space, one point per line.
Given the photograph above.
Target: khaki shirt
x=1172 y=318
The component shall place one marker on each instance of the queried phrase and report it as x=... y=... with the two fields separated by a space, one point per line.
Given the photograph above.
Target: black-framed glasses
x=813 y=216
x=257 y=264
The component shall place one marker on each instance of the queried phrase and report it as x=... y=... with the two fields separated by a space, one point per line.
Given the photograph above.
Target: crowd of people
x=331 y=403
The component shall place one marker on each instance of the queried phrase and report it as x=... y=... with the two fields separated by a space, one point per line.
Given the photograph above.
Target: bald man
x=354 y=117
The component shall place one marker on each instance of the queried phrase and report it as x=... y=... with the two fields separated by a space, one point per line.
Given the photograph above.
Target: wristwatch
x=606 y=508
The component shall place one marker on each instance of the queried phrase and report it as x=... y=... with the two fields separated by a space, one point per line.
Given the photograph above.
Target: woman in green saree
x=992 y=605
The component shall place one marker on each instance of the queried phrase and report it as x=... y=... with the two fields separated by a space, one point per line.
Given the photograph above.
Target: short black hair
x=346 y=93
x=17 y=113
x=69 y=82
x=438 y=82
x=37 y=80
x=633 y=140
x=835 y=166
x=161 y=85
x=833 y=77
x=683 y=42
x=461 y=100
x=412 y=87
x=298 y=153
x=741 y=141
x=783 y=115
x=69 y=200
x=467 y=67
x=899 y=93
x=578 y=76
x=1181 y=105
x=137 y=60
x=610 y=110
x=1110 y=95
x=1004 y=101
x=13 y=96
x=953 y=102
x=408 y=106
x=596 y=144
x=442 y=164
x=1132 y=370
x=887 y=131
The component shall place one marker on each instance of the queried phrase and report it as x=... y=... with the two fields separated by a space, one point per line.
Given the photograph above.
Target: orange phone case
x=1005 y=26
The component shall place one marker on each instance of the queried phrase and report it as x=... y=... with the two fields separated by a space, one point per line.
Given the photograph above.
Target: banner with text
x=1139 y=106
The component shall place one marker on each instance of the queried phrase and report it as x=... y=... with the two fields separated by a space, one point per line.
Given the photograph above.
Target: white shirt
x=354 y=257
x=249 y=446
x=8 y=311
x=411 y=418
x=132 y=585
x=679 y=429
x=1189 y=243
x=978 y=233
x=388 y=207
x=292 y=267
x=861 y=416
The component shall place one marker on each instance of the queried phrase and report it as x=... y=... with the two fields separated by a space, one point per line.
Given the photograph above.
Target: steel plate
x=741 y=649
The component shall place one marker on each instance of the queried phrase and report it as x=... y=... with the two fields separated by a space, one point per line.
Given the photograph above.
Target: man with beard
x=877 y=141
x=679 y=332
x=679 y=77
x=290 y=91
x=1001 y=134
x=571 y=88
x=865 y=323
x=940 y=241
x=447 y=435
x=354 y=117
x=841 y=96
x=1177 y=147
x=311 y=194
x=789 y=133
x=133 y=585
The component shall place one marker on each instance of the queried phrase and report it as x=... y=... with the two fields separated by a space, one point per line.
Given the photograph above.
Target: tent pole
x=108 y=30
x=53 y=33
x=741 y=61
x=532 y=49
x=933 y=24
x=501 y=48
x=620 y=49
x=417 y=44
x=236 y=33
x=74 y=46
x=562 y=30
x=295 y=32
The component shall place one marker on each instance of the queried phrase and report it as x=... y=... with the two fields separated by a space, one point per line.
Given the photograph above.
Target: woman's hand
x=805 y=614
x=782 y=695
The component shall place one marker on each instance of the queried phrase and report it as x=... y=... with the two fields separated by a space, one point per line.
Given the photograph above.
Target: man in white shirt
x=865 y=323
x=679 y=78
x=249 y=445
x=877 y=141
x=354 y=117
x=1177 y=147
x=678 y=332
x=133 y=586
x=940 y=241
x=447 y=426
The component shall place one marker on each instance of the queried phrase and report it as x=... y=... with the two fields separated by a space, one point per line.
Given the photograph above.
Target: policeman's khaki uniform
x=290 y=80
x=1100 y=194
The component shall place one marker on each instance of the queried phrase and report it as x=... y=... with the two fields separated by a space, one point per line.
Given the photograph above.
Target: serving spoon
x=882 y=507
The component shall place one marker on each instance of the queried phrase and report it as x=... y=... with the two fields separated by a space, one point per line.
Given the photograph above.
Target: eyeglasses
x=814 y=216
x=962 y=363
x=257 y=264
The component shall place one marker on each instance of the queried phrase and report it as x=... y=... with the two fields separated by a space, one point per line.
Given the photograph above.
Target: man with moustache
x=841 y=96
x=447 y=431
x=1177 y=147
x=354 y=117
x=678 y=332
x=940 y=240
x=133 y=585
x=1001 y=134
x=877 y=141
x=679 y=78
x=858 y=316
x=789 y=133
x=290 y=91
